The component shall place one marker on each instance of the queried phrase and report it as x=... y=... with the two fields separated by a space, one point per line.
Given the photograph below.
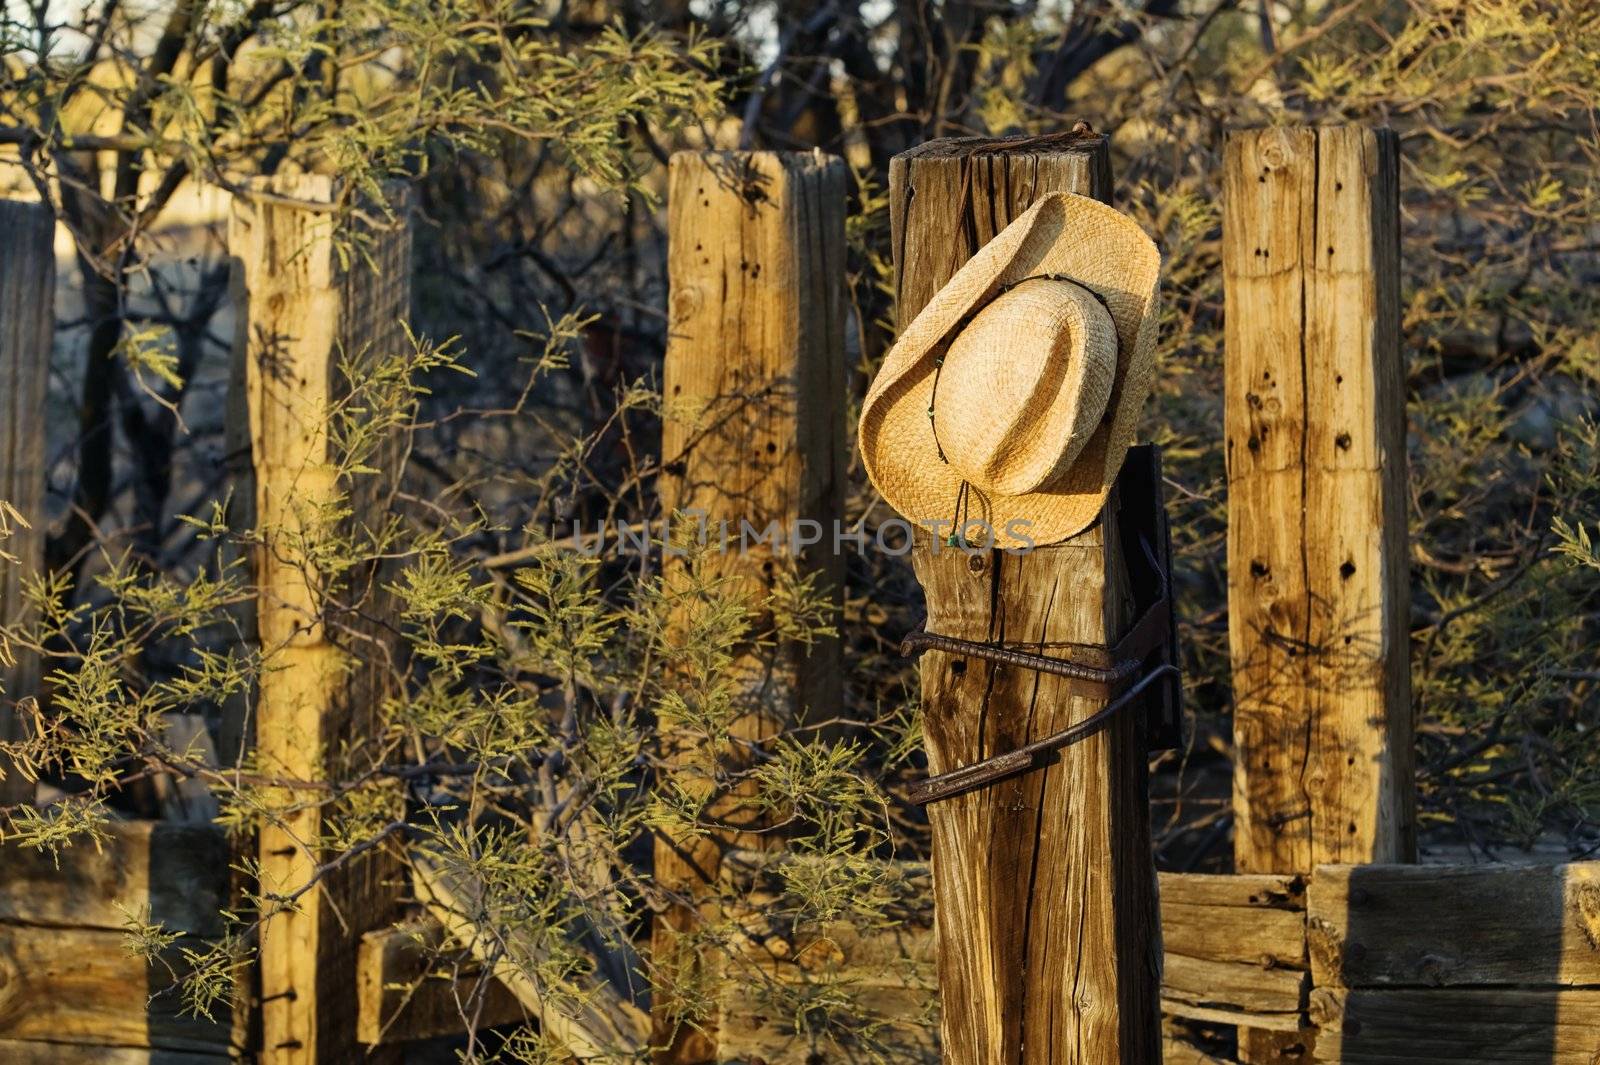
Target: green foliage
x=544 y=712
x=1492 y=101
x=1577 y=479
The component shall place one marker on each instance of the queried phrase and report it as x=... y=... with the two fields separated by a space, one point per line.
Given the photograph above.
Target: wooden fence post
x=27 y=319
x=1044 y=887
x=1317 y=554
x=753 y=431
x=306 y=311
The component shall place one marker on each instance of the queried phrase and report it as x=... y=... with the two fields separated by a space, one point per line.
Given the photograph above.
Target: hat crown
x=1024 y=385
x=914 y=429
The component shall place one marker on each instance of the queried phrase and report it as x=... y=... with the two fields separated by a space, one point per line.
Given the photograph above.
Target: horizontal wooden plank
x=80 y=986
x=16 y=1053
x=401 y=996
x=1425 y=1026
x=1442 y=926
x=1225 y=991
x=1254 y=919
x=178 y=873
x=1252 y=891
x=885 y=1024
x=774 y=978
x=1235 y=952
x=1266 y=938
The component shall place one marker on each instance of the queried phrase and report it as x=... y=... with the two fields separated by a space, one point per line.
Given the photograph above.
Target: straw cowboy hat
x=1011 y=399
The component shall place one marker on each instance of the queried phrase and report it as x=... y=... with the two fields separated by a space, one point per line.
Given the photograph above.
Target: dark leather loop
x=1149 y=646
x=992 y=770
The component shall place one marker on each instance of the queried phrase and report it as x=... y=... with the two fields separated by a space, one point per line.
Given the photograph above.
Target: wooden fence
x=1327 y=945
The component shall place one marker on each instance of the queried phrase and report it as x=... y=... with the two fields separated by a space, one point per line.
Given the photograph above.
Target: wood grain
x=81 y=986
x=308 y=311
x=1228 y=992
x=1212 y=926
x=1317 y=554
x=1500 y=1026
x=775 y=967
x=1044 y=890
x=14 y=1052
x=27 y=320
x=1258 y=919
x=1447 y=926
x=1046 y=911
x=1315 y=444
x=1234 y=949
x=174 y=874
x=1469 y=965
x=404 y=993
x=752 y=431
x=948 y=198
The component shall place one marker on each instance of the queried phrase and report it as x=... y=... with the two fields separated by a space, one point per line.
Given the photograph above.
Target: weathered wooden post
x=306 y=312
x=27 y=317
x=1044 y=888
x=1317 y=555
x=752 y=435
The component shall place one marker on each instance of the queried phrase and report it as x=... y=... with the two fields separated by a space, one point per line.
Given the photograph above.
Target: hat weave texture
x=1010 y=385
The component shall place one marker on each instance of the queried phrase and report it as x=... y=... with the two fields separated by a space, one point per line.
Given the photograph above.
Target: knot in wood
x=686 y=300
x=1276 y=153
x=1433 y=969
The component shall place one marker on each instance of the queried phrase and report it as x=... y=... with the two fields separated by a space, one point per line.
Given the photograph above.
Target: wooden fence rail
x=70 y=992
x=1504 y=968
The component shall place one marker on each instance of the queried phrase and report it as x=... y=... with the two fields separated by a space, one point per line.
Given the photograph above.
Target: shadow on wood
x=1430 y=963
x=70 y=992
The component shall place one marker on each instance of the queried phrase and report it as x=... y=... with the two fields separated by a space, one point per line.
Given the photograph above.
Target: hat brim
x=1062 y=234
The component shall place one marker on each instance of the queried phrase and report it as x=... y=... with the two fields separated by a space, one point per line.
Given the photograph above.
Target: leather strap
x=1095 y=673
x=990 y=770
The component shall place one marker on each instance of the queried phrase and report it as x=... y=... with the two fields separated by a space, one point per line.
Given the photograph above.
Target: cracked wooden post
x=1317 y=553
x=1044 y=888
x=27 y=320
x=306 y=313
x=752 y=430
